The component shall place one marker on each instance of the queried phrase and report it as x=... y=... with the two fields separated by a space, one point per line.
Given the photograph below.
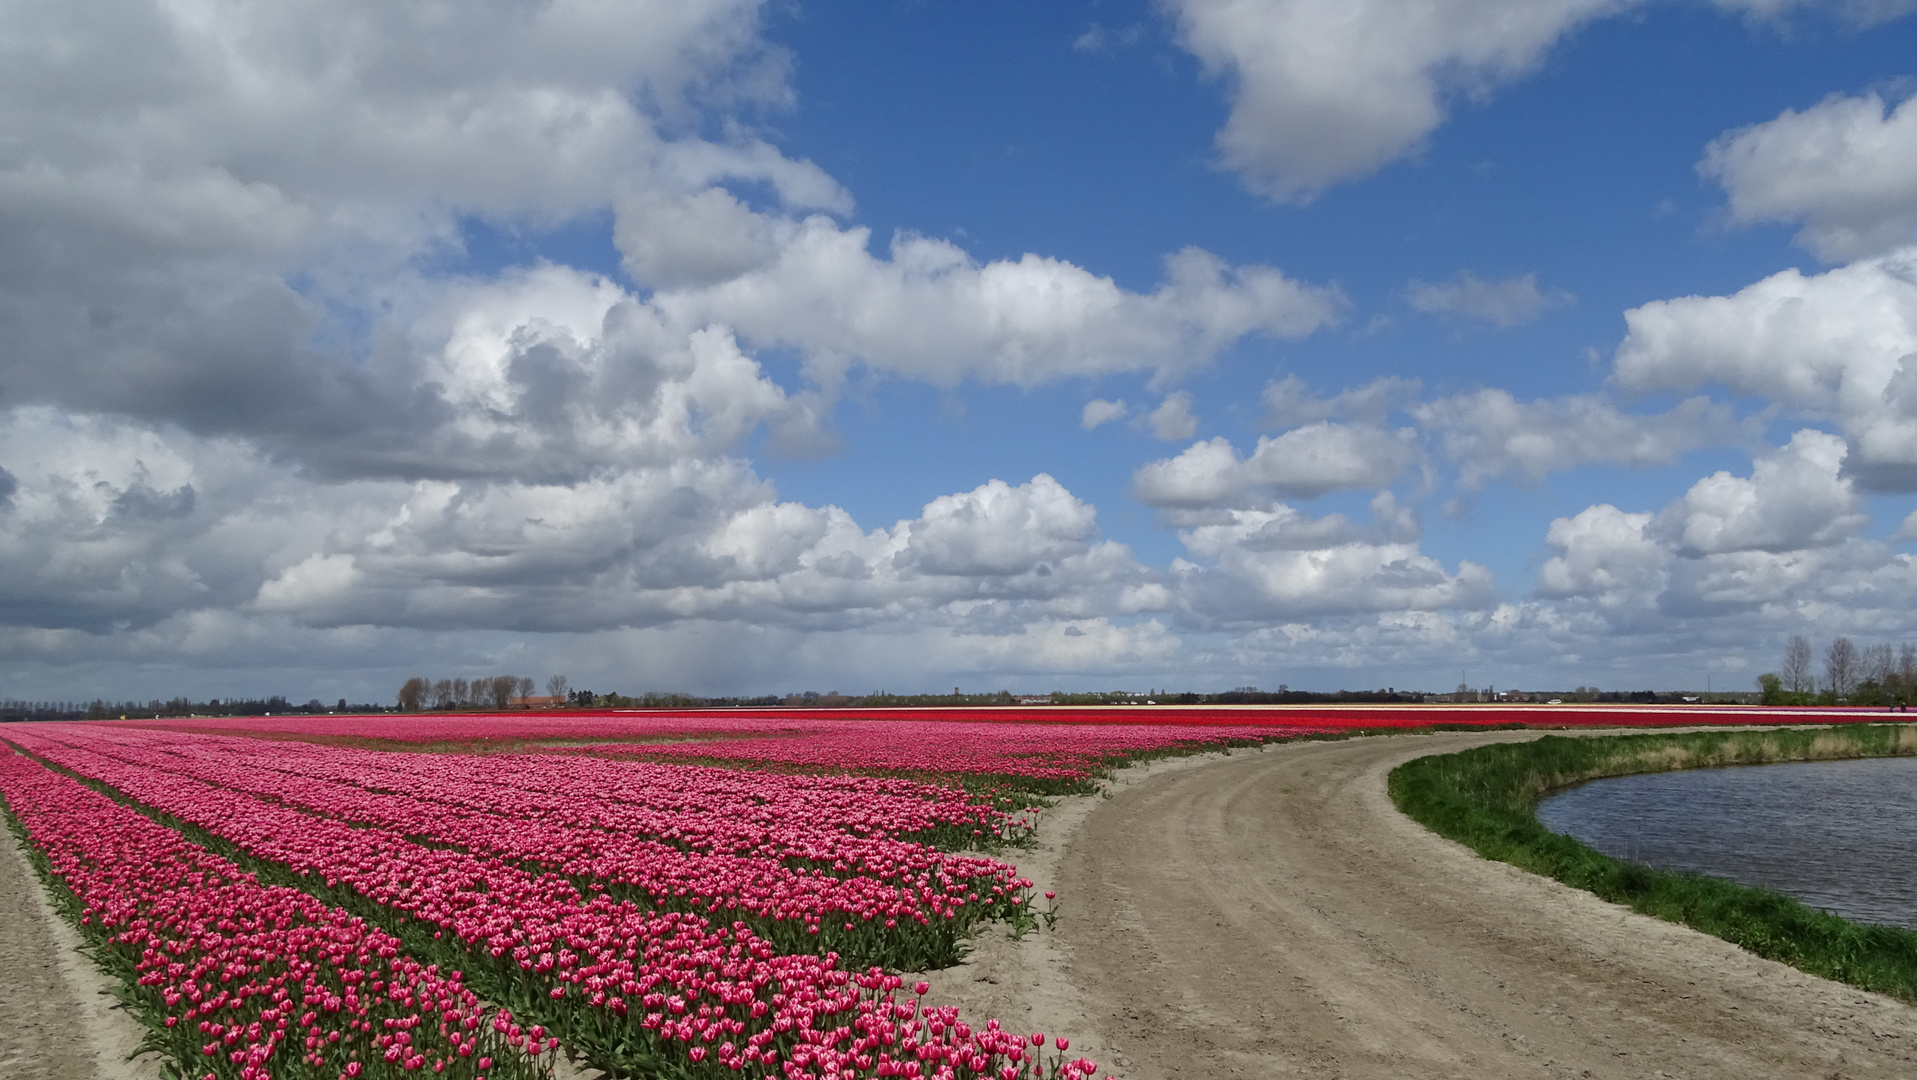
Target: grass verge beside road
x=1486 y=799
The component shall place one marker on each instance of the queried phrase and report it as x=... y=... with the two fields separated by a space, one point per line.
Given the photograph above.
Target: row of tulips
x=800 y=884
x=1010 y=741
x=724 y=811
x=239 y=979
x=1053 y=759
x=625 y=987
x=1048 y=757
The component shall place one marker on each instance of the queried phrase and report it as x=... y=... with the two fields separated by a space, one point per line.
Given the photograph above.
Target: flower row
x=244 y=980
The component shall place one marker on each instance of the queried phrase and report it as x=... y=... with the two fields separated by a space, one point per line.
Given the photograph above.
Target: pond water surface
x=1838 y=835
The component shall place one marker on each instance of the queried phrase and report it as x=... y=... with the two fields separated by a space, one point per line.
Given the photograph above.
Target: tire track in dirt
x=1272 y=914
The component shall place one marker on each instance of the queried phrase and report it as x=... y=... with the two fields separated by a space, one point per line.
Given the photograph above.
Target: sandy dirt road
x=1271 y=914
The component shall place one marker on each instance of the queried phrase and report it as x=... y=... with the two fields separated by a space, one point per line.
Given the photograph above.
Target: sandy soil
x=58 y=1019
x=1271 y=914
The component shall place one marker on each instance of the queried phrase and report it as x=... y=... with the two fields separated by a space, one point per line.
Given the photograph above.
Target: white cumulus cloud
x=1503 y=303
x=1260 y=565
x=1099 y=411
x=999 y=529
x=1301 y=463
x=931 y=311
x=1783 y=546
x=1796 y=497
x=1329 y=90
x=1604 y=553
x=1846 y=168
x=1290 y=403
x=1841 y=345
x=1490 y=433
x=229 y=224
x=1173 y=419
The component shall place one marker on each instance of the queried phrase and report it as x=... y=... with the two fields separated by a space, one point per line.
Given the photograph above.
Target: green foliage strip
x=1486 y=799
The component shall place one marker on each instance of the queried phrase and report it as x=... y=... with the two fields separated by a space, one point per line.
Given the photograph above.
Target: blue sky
x=741 y=348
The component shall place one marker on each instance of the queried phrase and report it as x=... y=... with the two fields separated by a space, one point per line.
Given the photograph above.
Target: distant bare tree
x=413 y=694
x=556 y=687
x=1840 y=667
x=499 y=690
x=462 y=693
x=525 y=686
x=1879 y=665
x=1796 y=672
x=443 y=694
x=1907 y=668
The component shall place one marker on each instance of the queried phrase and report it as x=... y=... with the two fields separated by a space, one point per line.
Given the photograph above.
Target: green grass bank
x=1486 y=799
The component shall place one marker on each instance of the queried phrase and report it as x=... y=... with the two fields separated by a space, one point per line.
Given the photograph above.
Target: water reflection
x=1838 y=835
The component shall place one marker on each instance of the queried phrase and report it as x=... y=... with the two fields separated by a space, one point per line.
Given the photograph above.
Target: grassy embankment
x=1486 y=799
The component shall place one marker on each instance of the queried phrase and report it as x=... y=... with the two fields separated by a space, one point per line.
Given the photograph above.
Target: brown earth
x=1271 y=914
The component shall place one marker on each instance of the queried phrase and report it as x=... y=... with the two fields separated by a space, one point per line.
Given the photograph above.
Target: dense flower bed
x=241 y=979
x=1065 y=754
x=813 y=864
x=621 y=983
x=1006 y=741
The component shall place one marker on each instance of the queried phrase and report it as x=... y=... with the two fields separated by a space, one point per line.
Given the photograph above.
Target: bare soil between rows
x=1265 y=913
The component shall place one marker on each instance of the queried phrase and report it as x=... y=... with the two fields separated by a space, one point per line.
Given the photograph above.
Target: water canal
x=1837 y=835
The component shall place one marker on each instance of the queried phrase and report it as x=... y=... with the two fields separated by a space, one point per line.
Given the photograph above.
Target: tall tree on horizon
x=1840 y=667
x=413 y=695
x=1797 y=665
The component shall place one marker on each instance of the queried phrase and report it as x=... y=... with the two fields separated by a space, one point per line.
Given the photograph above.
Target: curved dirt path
x=1271 y=914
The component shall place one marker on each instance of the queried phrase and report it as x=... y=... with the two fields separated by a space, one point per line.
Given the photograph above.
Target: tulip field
x=280 y=908
x=699 y=895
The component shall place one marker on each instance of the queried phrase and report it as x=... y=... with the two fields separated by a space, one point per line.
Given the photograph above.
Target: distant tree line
x=485 y=692
x=101 y=709
x=1872 y=675
x=1284 y=695
x=43 y=710
x=447 y=695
